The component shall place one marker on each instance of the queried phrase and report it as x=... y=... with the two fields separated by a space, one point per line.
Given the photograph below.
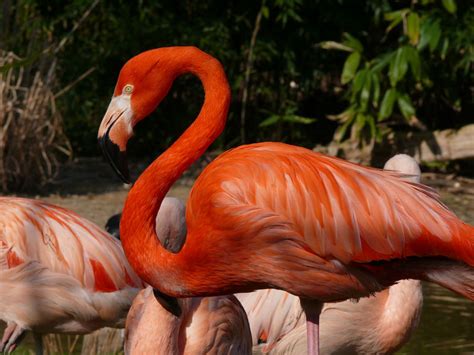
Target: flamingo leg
x=312 y=310
x=39 y=344
x=12 y=336
x=312 y=333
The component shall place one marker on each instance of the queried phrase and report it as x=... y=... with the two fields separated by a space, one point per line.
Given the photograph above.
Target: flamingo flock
x=296 y=235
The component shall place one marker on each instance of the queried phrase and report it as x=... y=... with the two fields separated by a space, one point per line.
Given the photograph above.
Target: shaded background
x=298 y=69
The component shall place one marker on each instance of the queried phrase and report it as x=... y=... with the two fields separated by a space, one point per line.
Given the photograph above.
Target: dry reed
x=32 y=140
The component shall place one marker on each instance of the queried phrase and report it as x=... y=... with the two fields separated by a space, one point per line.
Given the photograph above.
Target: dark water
x=447 y=324
x=447 y=321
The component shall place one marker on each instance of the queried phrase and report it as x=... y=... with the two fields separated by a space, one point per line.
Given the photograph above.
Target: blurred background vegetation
x=306 y=72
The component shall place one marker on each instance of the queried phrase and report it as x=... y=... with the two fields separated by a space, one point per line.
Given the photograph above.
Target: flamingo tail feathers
x=454 y=275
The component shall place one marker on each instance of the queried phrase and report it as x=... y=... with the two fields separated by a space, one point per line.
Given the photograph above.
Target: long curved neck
x=137 y=229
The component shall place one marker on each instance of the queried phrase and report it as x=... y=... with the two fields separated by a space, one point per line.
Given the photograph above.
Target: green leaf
x=413 y=58
x=450 y=6
x=444 y=48
x=398 y=66
x=436 y=35
x=352 y=42
x=413 y=28
x=341 y=130
x=298 y=119
x=358 y=83
x=365 y=94
x=386 y=108
x=405 y=105
x=374 y=132
x=265 y=12
x=270 y=121
x=393 y=24
x=376 y=85
x=394 y=15
x=359 y=123
x=350 y=67
x=430 y=34
x=382 y=61
x=335 y=45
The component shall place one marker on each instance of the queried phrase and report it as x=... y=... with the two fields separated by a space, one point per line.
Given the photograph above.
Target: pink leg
x=312 y=333
x=312 y=309
x=12 y=335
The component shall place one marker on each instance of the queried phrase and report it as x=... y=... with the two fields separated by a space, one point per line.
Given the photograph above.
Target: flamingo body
x=299 y=217
x=379 y=324
x=59 y=273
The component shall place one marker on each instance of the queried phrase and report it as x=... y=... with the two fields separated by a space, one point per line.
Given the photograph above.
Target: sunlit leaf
x=376 y=85
x=335 y=45
x=352 y=42
x=299 y=119
x=365 y=94
x=394 y=15
x=393 y=24
x=444 y=48
x=359 y=81
x=436 y=35
x=405 y=105
x=265 y=12
x=430 y=33
x=359 y=123
x=398 y=66
x=350 y=67
x=386 y=108
x=382 y=61
x=270 y=121
x=341 y=130
x=450 y=6
x=413 y=58
x=413 y=27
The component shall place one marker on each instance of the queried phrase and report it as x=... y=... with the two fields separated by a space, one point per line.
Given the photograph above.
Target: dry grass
x=32 y=141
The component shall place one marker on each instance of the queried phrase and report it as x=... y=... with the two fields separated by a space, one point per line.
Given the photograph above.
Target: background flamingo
x=59 y=273
x=209 y=325
x=271 y=215
x=379 y=324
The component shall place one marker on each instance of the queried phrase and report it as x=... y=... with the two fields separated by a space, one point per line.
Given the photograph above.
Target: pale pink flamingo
x=59 y=273
x=272 y=215
x=209 y=325
x=379 y=324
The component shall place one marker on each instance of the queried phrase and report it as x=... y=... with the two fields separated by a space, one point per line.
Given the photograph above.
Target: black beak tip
x=169 y=303
x=116 y=158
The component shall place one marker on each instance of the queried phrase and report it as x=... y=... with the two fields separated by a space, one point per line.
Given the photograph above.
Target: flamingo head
x=142 y=84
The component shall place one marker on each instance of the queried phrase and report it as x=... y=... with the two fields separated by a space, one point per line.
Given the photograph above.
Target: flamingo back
x=337 y=209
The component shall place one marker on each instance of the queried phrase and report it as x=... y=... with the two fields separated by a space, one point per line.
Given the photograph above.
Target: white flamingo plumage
x=59 y=273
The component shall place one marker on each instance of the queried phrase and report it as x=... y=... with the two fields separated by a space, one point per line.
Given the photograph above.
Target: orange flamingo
x=379 y=324
x=272 y=215
x=59 y=273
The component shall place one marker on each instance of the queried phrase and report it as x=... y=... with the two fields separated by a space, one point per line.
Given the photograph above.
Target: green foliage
x=389 y=61
x=420 y=48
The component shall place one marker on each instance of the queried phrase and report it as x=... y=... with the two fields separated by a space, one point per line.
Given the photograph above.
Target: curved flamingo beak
x=114 y=132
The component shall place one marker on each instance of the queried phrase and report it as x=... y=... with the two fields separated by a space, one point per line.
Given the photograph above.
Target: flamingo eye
x=127 y=89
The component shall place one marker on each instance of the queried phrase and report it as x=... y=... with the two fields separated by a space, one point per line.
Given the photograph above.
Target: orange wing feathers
x=338 y=209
